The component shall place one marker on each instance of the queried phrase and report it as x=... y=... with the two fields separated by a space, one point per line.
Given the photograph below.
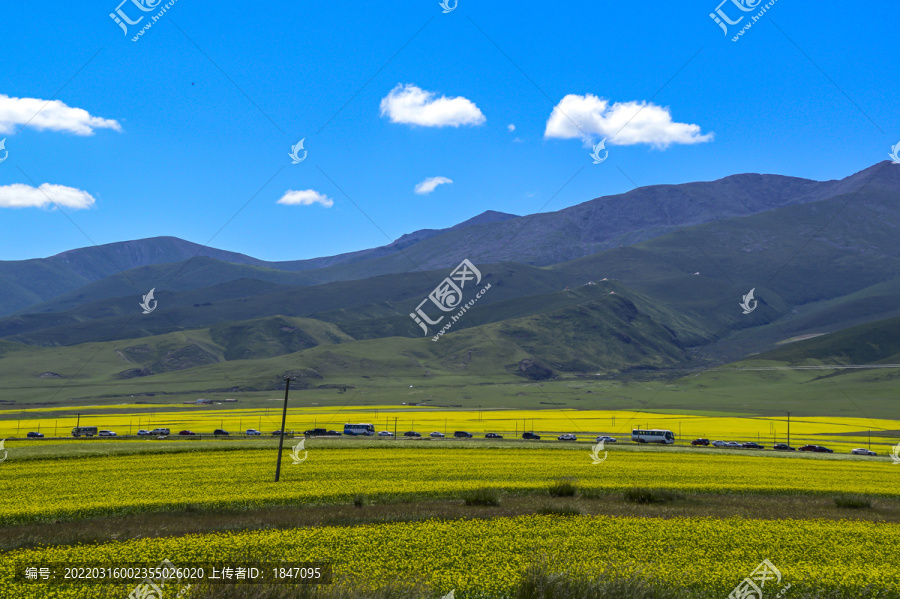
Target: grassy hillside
x=870 y=343
x=605 y=334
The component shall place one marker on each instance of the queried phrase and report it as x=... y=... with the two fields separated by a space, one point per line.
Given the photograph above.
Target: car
x=567 y=437
x=160 y=431
x=719 y=444
x=701 y=442
x=411 y=434
x=531 y=436
x=751 y=445
x=385 y=434
x=34 y=435
x=462 y=435
x=733 y=445
x=251 y=432
x=862 y=451
x=783 y=447
x=142 y=433
x=436 y=435
x=332 y=434
x=606 y=439
x=219 y=431
x=493 y=436
x=187 y=433
x=816 y=448
x=315 y=432
x=106 y=434
x=278 y=433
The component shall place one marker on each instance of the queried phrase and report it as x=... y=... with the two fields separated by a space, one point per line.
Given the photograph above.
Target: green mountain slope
x=869 y=343
x=607 y=334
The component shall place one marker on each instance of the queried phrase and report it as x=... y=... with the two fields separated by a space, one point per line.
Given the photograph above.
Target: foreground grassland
x=488 y=558
x=211 y=475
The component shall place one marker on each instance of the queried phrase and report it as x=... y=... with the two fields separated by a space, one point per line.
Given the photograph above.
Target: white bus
x=359 y=429
x=652 y=436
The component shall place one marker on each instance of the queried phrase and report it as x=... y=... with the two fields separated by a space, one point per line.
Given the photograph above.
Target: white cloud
x=622 y=123
x=510 y=127
x=415 y=106
x=306 y=197
x=429 y=185
x=19 y=195
x=53 y=115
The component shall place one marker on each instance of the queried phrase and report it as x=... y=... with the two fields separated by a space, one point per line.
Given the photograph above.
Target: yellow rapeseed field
x=73 y=487
x=128 y=419
x=488 y=557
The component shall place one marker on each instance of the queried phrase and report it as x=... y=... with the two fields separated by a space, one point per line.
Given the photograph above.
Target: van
x=87 y=431
x=159 y=431
x=462 y=435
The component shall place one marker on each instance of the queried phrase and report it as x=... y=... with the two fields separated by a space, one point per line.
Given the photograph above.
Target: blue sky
x=192 y=125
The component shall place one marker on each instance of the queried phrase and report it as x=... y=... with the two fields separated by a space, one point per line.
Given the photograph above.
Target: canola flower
x=488 y=557
x=129 y=418
x=79 y=487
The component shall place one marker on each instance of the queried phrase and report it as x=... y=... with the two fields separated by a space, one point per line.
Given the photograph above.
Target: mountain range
x=649 y=280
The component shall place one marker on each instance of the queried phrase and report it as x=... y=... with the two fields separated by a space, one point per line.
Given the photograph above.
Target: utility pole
x=789 y=430
x=395 y=427
x=287 y=387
